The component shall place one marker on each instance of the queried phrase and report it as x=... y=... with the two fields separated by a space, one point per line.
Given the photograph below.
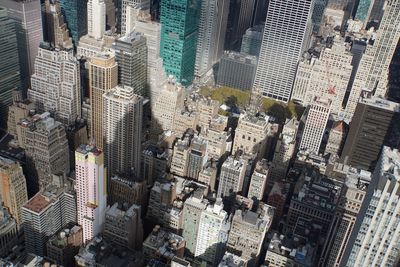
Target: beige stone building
x=13 y=191
x=103 y=76
x=251 y=135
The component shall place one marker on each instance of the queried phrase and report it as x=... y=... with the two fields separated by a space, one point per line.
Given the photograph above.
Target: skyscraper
x=375 y=124
x=212 y=28
x=123 y=112
x=13 y=190
x=56 y=84
x=258 y=180
x=103 y=76
x=372 y=73
x=179 y=30
x=131 y=56
x=286 y=36
x=251 y=40
x=284 y=150
x=28 y=17
x=96 y=14
x=90 y=190
x=317 y=118
x=127 y=8
x=326 y=75
x=374 y=240
x=75 y=14
x=9 y=63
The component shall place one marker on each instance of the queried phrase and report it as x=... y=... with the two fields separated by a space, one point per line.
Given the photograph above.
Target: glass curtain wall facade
x=75 y=15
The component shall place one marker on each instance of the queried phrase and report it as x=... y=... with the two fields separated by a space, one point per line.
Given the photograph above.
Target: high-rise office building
x=13 y=191
x=247 y=232
x=103 y=76
x=351 y=197
x=251 y=40
x=123 y=226
x=317 y=15
x=375 y=124
x=374 y=65
x=46 y=148
x=131 y=55
x=375 y=238
x=75 y=15
x=317 y=118
x=56 y=84
x=96 y=15
x=326 y=75
x=28 y=17
x=45 y=214
x=286 y=36
x=211 y=37
x=9 y=63
x=123 y=112
x=164 y=106
x=129 y=12
x=197 y=157
x=284 y=150
x=90 y=189
x=258 y=182
x=237 y=70
x=231 y=178
x=56 y=31
x=179 y=161
x=212 y=233
x=179 y=30
x=251 y=135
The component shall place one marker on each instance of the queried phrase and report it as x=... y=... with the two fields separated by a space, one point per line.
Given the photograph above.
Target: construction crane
x=331 y=87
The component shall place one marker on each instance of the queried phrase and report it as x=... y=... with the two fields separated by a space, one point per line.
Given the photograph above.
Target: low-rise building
x=63 y=246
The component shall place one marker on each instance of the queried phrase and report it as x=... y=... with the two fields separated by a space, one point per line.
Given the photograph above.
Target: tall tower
x=232 y=177
x=90 y=190
x=374 y=240
x=129 y=12
x=9 y=63
x=374 y=66
x=56 y=85
x=317 y=118
x=28 y=17
x=13 y=190
x=123 y=112
x=211 y=39
x=75 y=14
x=131 y=55
x=103 y=76
x=96 y=18
x=179 y=25
x=286 y=36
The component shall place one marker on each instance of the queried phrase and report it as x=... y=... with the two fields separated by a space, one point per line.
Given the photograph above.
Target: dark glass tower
x=9 y=63
x=179 y=21
x=75 y=15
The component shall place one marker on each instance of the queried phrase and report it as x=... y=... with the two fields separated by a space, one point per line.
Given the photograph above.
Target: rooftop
x=100 y=251
x=90 y=148
x=164 y=243
x=231 y=260
x=381 y=103
x=38 y=203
